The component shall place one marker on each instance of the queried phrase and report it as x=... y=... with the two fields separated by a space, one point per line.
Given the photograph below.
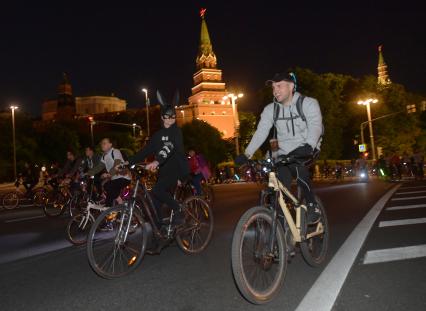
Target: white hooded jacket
x=290 y=133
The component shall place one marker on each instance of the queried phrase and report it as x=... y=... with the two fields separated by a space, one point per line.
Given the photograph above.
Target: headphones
x=293 y=77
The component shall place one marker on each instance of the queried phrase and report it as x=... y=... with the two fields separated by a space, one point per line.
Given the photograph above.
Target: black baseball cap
x=283 y=76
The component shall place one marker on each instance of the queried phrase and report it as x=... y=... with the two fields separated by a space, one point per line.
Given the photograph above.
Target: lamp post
x=13 y=108
x=233 y=99
x=92 y=123
x=147 y=112
x=134 y=129
x=370 y=124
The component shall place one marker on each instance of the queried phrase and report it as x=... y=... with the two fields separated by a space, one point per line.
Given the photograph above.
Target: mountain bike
x=267 y=236
x=132 y=226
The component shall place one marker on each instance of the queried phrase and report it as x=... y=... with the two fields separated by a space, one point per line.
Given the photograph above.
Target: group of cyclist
x=297 y=132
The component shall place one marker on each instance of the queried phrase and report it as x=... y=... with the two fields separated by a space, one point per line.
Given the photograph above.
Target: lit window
x=423 y=105
x=223 y=112
x=411 y=108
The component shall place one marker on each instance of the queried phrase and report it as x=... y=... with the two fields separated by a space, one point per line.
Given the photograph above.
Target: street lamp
x=370 y=124
x=147 y=111
x=134 y=129
x=233 y=99
x=13 y=108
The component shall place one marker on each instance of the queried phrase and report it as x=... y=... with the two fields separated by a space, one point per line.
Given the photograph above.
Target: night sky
x=123 y=47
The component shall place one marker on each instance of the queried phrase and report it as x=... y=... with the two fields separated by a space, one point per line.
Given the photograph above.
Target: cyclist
x=196 y=173
x=109 y=161
x=30 y=177
x=298 y=129
x=167 y=147
x=90 y=161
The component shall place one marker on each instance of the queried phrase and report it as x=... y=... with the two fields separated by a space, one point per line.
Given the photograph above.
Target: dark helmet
x=166 y=108
x=288 y=76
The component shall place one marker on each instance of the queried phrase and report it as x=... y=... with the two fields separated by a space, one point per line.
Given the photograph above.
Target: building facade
x=207 y=101
x=65 y=106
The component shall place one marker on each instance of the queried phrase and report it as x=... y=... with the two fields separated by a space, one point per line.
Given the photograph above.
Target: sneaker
x=314 y=214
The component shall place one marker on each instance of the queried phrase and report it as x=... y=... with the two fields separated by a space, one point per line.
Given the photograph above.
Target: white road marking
x=409 y=198
x=402 y=207
x=410 y=192
x=323 y=293
x=23 y=219
x=402 y=222
x=393 y=254
x=412 y=187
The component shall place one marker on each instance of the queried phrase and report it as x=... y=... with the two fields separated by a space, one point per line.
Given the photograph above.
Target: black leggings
x=113 y=189
x=301 y=173
x=162 y=193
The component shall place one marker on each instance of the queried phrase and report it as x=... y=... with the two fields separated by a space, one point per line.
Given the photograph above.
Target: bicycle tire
x=96 y=227
x=77 y=223
x=11 y=200
x=306 y=247
x=208 y=193
x=200 y=209
x=55 y=204
x=241 y=280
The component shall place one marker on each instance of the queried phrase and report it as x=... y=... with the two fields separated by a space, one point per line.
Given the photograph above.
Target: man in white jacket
x=298 y=128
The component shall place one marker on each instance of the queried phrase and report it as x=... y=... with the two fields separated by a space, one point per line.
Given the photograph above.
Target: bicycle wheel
x=11 y=200
x=208 y=193
x=40 y=197
x=197 y=232
x=314 y=249
x=55 y=204
x=78 y=229
x=116 y=247
x=259 y=274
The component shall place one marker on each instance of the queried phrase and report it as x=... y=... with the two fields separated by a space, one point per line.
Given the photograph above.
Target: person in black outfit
x=167 y=147
x=30 y=177
x=91 y=160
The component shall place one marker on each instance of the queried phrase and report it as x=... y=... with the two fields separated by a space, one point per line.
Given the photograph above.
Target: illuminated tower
x=207 y=101
x=382 y=70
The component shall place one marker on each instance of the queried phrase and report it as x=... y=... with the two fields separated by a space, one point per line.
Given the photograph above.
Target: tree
x=247 y=128
x=205 y=139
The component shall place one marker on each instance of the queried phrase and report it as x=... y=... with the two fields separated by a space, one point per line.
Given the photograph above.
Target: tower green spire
x=206 y=57
x=382 y=70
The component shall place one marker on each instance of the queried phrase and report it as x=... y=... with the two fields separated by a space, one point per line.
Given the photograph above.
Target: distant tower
x=207 y=101
x=382 y=70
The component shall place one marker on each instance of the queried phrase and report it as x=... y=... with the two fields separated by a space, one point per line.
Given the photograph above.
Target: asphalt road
x=40 y=270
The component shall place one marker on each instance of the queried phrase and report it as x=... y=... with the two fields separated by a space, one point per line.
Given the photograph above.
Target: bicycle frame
x=294 y=226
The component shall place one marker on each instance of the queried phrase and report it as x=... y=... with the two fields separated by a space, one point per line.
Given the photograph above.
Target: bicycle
x=14 y=198
x=266 y=237
x=186 y=189
x=119 y=251
x=79 y=225
x=65 y=197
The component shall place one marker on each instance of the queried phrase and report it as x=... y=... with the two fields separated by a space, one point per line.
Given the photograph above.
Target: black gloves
x=241 y=159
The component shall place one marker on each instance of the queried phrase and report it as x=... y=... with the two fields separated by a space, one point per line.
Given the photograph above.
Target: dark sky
x=122 y=47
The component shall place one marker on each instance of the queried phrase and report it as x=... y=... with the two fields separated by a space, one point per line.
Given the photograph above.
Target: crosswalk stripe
x=403 y=207
x=394 y=254
x=412 y=187
x=324 y=291
x=402 y=222
x=409 y=198
x=23 y=219
x=410 y=192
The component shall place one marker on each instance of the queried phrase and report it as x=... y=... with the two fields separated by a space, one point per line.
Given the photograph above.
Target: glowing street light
x=367 y=103
x=144 y=90
x=233 y=99
x=13 y=108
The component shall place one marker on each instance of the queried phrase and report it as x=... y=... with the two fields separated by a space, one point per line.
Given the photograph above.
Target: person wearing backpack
x=110 y=160
x=298 y=128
